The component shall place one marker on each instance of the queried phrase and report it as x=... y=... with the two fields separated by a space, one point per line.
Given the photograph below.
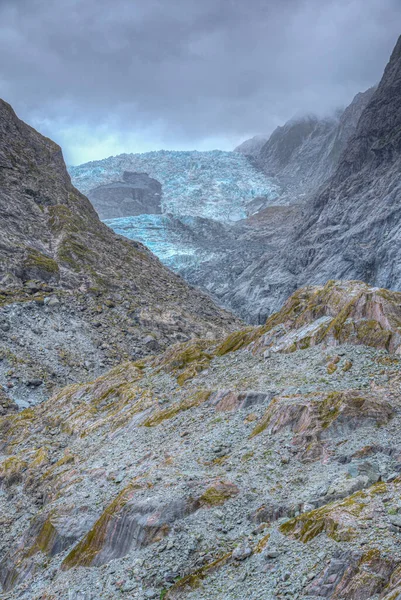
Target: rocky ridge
x=350 y=228
x=213 y=469
x=306 y=151
x=74 y=297
x=253 y=146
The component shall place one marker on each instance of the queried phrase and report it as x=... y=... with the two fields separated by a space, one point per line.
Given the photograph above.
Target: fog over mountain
x=184 y=74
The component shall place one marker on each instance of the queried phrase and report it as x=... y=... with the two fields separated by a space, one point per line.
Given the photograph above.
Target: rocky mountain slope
x=253 y=146
x=264 y=464
x=74 y=297
x=348 y=228
x=306 y=151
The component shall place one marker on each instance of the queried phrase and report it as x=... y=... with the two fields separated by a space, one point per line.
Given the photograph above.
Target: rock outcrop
x=352 y=227
x=136 y=194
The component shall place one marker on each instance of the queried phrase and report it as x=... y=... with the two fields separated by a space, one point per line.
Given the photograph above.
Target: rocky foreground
x=263 y=464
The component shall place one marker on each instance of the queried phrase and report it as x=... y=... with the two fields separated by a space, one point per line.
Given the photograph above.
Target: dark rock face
x=352 y=227
x=305 y=152
x=137 y=194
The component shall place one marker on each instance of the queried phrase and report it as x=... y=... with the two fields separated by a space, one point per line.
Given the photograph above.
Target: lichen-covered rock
x=125 y=524
x=142 y=482
x=47 y=536
x=224 y=400
x=7 y=406
x=336 y=313
x=313 y=421
x=354 y=576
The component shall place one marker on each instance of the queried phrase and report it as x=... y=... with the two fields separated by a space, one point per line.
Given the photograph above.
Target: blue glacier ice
x=155 y=233
x=204 y=194
x=177 y=242
x=216 y=184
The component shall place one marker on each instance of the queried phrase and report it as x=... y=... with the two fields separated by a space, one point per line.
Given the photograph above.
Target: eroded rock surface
x=227 y=468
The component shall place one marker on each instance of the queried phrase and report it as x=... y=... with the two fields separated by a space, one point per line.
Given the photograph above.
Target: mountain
x=350 y=227
x=187 y=223
x=250 y=274
x=358 y=212
x=305 y=152
x=224 y=216
x=265 y=464
x=240 y=462
x=347 y=227
x=94 y=297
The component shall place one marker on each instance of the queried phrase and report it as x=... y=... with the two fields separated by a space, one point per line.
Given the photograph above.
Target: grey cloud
x=185 y=73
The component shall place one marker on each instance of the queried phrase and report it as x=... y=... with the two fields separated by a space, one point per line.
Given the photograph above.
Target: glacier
x=204 y=196
x=179 y=242
x=216 y=184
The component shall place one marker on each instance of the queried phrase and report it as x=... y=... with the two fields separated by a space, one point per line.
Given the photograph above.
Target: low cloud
x=102 y=78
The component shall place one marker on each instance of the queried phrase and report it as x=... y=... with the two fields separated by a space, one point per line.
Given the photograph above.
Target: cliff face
x=305 y=152
x=136 y=194
x=63 y=274
x=377 y=139
x=352 y=227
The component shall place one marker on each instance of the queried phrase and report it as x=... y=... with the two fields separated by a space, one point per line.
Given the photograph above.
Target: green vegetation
x=42 y=263
x=191 y=402
x=218 y=494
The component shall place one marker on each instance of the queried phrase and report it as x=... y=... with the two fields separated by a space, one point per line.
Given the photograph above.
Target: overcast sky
x=103 y=77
